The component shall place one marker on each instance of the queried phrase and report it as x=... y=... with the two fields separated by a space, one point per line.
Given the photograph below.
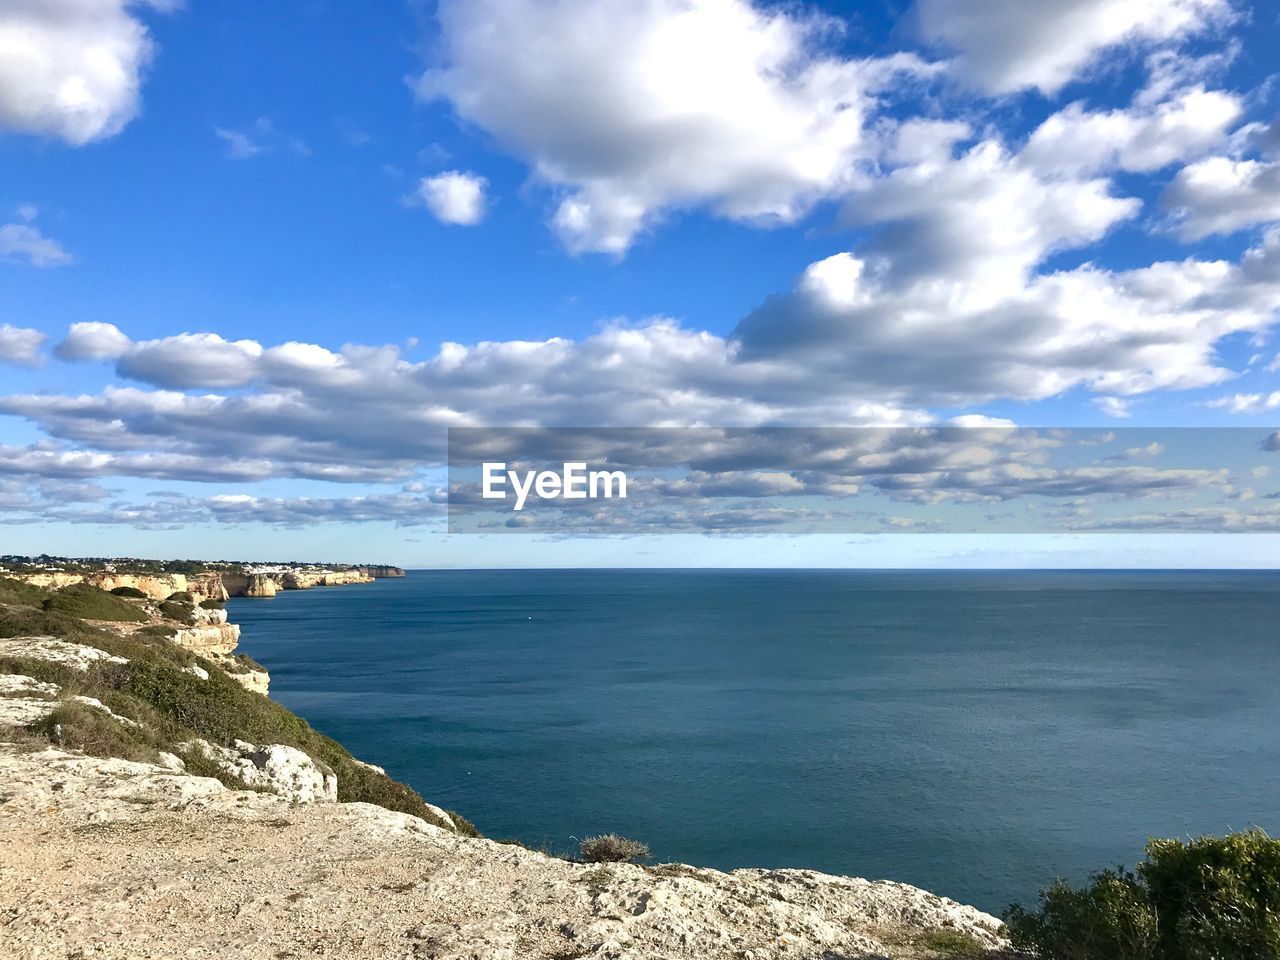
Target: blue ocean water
x=975 y=733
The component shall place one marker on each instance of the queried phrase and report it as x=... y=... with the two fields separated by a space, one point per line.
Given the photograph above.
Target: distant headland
x=205 y=579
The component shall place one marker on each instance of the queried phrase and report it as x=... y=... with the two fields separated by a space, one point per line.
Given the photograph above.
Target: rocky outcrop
x=268 y=583
x=207 y=640
x=282 y=770
x=24 y=700
x=249 y=585
x=251 y=678
x=306 y=579
x=74 y=655
x=118 y=860
x=382 y=573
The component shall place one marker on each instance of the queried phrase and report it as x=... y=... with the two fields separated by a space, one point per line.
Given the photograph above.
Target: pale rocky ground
x=112 y=859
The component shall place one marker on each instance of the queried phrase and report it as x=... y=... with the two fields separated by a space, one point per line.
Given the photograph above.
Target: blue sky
x=234 y=237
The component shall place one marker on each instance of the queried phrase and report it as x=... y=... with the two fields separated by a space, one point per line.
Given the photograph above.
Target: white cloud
x=72 y=69
x=1222 y=195
x=20 y=345
x=262 y=137
x=1009 y=45
x=93 y=341
x=1117 y=407
x=1142 y=138
x=454 y=197
x=199 y=359
x=632 y=110
x=1247 y=402
x=240 y=146
x=947 y=303
x=25 y=243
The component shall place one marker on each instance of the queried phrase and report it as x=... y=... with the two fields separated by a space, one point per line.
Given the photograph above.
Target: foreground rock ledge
x=113 y=859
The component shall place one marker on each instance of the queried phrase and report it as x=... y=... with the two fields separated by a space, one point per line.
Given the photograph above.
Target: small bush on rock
x=181 y=596
x=612 y=848
x=212 y=604
x=1213 y=898
x=133 y=593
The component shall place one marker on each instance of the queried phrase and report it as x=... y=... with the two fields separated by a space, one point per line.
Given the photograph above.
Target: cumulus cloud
x=631 y=110
x=947 y=304
x=20 y=345
x=93 y=341
x=454 y=197
x=72 y=69
x=1222 y=195
x=1004 y=46
x=1141 y=138
x=199 y=359
x=23 y=243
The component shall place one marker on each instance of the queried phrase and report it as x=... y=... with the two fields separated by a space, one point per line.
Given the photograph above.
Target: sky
x=257 y=259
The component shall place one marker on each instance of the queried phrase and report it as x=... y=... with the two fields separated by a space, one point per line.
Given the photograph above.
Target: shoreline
x=477 y=898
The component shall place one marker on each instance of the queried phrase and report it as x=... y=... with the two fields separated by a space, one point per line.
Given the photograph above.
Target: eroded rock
x=284 y=770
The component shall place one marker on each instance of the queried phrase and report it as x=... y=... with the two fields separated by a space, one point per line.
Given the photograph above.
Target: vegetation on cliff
x=1211 y=898
x=172 y=695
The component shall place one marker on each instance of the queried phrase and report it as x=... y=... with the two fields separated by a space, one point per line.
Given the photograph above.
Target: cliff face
x=203 y=586
x=267 y=583
x=382 y=573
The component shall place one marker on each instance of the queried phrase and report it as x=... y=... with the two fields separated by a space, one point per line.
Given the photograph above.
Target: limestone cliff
x=203 y=586
x=382 y=572
x=267 y=582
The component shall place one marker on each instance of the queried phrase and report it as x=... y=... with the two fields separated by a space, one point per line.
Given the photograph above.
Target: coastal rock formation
x=118 y=860
x=259 y=585
x=285 y=771
x=381 y=572
x=211 y=639
x=268 y=582
x=202 y=586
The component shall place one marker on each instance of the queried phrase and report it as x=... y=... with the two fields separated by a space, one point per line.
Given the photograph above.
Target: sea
x=974 y=733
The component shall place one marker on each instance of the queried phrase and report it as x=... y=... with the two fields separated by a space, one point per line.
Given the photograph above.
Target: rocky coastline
x=217 y=842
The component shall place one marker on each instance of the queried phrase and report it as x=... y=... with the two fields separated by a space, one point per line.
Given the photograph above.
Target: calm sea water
x=972 y=733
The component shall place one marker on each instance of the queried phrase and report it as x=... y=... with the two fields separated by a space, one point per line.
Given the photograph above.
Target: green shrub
x=90 y=603
x=15 y=591
x=243 y=663
x=82 y=727
x=21 y=621
x=176 y=610
x=464 y=826
x=212 y=604
x=133 y=593
x=1218 y=898
x=181 y=596
x=1213 y=898
x=612 y=848
x=951 y=943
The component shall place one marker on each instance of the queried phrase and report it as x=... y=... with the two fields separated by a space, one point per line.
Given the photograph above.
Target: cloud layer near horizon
x=966 y=263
